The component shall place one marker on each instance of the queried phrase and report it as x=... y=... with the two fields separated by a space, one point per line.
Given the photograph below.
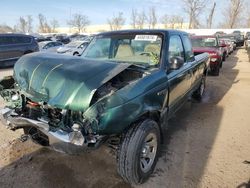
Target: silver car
x=50 y=46
x=74 y=48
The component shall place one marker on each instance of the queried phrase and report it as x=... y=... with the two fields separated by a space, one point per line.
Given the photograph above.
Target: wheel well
x=153 y=115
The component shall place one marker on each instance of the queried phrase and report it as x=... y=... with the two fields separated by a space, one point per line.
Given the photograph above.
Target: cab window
x=189 y=55
x=175 y=47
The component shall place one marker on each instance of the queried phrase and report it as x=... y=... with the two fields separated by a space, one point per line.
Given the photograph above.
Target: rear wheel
x=198 y=94
x=224 y=57
x=138 y=152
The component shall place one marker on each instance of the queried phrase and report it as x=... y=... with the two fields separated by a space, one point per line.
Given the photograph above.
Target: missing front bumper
x=59 y=140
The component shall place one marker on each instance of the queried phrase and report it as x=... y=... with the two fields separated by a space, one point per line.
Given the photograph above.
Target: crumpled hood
x=63 y=81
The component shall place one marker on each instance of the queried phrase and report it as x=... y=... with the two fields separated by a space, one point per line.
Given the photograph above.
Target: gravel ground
x=206 y=145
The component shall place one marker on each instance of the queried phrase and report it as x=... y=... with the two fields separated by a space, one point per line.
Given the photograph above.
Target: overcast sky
x=97 y=10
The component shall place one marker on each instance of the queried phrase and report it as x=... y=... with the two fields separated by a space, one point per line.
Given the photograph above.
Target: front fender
x=114 y=119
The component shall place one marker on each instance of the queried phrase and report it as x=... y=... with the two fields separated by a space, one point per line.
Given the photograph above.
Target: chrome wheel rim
x=148 y=152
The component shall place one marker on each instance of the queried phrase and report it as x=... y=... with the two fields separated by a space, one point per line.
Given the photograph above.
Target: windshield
x=204 y=42
x=74 y=44
x=136 y=49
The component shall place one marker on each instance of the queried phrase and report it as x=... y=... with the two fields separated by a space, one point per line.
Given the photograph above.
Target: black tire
x=198 y=94
x=132 y=150
x=76 y=54
x=221 y=64
x=216 y=70
x=224 y=57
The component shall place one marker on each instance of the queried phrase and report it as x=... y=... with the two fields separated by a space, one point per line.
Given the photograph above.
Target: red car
x=209 y=44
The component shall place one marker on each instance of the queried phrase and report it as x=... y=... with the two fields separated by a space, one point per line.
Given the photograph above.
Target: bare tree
x=152 y=18
x=134 y=16
x=29 y=23
x=247 y=15
x=116 y=22
x=165 y=19
x=79 y=21
x=44 y=27
x=42 y=21
x=210 y=17
x=232 y=13
x=5 y=28
x=54 y=24
x=194 y=8
x=141 y=20
x=180 y=21
x=176 y=22
x=22 y=24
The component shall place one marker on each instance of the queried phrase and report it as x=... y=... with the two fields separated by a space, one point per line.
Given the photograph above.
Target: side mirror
x=176 y=63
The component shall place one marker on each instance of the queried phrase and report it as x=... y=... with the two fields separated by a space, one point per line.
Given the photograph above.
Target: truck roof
x=144 y=31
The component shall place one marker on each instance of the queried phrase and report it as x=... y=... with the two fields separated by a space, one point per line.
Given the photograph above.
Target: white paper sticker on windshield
x=146 y=37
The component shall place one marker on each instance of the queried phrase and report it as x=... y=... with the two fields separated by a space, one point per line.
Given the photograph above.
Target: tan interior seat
x=155 y=48
x=124 y=50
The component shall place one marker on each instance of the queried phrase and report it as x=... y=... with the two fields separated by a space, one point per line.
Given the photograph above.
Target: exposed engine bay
x=79 y=131
x=121 y=80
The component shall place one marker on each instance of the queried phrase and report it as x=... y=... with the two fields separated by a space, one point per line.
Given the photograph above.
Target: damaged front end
x=63 y=130
x=68 y=105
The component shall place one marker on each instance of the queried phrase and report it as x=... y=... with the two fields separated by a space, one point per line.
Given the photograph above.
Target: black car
x=63 y=39
x=13 y=46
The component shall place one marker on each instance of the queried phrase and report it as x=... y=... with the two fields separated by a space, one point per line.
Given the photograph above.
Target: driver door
x=179 y=79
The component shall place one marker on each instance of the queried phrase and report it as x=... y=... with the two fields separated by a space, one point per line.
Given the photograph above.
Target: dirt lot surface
x=207 y=144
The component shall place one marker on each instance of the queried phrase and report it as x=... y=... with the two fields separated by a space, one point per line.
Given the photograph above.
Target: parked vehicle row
x=122 y=91
x=13 y=46
x=236 y=36
x=219 y=48
x=65 y=39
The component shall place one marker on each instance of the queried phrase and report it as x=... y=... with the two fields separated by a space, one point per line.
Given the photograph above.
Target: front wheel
x=215 y=70
x=138 y=152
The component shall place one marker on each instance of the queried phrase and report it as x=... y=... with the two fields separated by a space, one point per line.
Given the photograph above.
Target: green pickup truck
x=122 y=91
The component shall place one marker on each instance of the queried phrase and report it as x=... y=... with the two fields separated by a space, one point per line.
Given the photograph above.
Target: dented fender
x=115 y=113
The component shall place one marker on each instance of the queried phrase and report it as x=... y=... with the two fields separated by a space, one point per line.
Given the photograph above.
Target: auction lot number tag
x=146 y=37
